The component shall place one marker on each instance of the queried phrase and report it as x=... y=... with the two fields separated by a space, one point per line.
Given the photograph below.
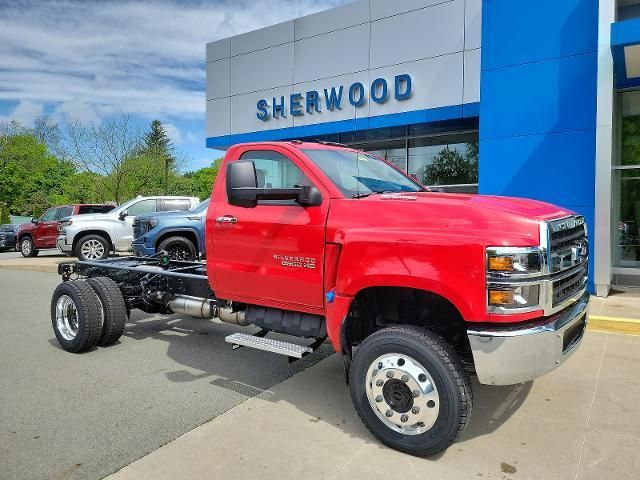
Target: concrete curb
x=629 y=326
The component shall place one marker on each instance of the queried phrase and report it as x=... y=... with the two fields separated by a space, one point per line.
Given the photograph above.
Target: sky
x=90 y=60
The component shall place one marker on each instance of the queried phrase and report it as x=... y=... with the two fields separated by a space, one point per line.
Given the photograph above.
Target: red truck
x=416 y=290
x=42 y=232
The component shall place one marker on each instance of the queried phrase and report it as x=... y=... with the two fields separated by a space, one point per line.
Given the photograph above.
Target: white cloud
x=24 y=112
x=91 y=59
x=173 y=133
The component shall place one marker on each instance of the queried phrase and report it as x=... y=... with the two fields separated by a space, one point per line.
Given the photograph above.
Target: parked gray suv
x=93 y=237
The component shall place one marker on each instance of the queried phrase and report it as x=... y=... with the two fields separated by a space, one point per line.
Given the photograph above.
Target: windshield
x=200 y=207
x=357 y=174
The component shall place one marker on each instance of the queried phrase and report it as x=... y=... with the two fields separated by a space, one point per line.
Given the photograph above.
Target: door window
x=176 y=204
x=64 y=212
x=143 y=206
x=274 y=170
x=50 y=215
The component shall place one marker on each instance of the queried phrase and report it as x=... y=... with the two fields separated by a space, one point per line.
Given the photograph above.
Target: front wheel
x=178 y=248
x=411 y=390
x=27 y=248
x=92 y=247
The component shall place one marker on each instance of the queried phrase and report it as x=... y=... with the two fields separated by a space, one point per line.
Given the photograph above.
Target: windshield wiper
x=375 y=192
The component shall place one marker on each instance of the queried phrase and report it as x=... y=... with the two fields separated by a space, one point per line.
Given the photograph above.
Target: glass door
x=626 y=185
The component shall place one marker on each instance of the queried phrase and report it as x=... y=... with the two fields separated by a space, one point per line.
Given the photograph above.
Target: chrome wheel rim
x=66 y=317
x=402 y=394
x=92 y=249
x=25 y=246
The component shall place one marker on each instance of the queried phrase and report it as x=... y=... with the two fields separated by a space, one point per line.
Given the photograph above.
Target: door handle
x=226 y=219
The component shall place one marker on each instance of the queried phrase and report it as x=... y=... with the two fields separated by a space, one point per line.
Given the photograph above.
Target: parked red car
x=42 y=232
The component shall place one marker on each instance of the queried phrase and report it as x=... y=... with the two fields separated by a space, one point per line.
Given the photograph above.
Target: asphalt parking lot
x=87 y=415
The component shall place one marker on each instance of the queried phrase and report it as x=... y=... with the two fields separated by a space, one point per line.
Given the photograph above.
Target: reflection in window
x=393 y=152
x=449 y=161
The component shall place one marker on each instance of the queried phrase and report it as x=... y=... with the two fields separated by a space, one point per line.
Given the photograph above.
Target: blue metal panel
x=538 y=101
x=556 y=168
x=356 y=124
x=549 y=96
x=515 y=32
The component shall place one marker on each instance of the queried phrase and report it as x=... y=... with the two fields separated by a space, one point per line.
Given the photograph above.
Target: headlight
x=153 y=222
x=513 y=279
x=525 y=296
x=514 y=260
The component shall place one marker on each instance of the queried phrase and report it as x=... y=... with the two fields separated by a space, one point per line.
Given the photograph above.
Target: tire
x=178 y=248
x=114 y=309
x=27 y=248
x=92 y=247
x=429 y=370
x=76 y=316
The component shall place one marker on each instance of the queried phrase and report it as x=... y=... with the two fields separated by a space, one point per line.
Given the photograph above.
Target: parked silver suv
x=93 y=236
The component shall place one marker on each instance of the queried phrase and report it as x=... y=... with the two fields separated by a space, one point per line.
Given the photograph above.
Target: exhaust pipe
x=204 y=308
x=191 y=306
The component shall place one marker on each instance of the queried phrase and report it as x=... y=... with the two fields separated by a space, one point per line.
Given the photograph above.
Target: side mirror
x=243 y=190
x=35 y=220
x=123 y=214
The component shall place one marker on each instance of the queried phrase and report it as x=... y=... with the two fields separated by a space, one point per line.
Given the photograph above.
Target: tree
x=451 y=167
x=200 y=183
x=104 y=150
x=158 y=147
x=4 y=214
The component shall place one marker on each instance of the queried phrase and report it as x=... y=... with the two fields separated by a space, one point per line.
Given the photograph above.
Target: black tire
x=87 y=315
x=27 y=247
x=92 y=240
x=114 y=309
x=178 y=248
x=451 y=381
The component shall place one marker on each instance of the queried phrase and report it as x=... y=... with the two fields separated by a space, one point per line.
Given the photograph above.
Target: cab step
x=259 y=342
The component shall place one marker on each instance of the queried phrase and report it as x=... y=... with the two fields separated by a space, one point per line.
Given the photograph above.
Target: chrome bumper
x=61 y=243
x=515 y=354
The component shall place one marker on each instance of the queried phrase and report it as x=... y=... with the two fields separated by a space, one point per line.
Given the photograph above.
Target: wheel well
x=378 y=307
x=27 y=234
x=100 y=233
x=188 y=234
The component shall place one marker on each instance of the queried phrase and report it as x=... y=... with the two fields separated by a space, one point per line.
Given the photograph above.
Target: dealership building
x=528 y=98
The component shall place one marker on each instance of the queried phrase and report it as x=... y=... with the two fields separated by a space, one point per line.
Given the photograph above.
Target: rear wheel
x=27 y=248
x=178 y=248
x=411 y=390
x=114 y=309
x=92 y=247
x=76 y=316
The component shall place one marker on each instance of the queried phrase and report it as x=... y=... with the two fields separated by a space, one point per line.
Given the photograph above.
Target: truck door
x=273 y=252
x=124 y=226
x=46 y=230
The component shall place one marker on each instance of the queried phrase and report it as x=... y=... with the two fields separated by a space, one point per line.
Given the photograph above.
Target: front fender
x=453 y=272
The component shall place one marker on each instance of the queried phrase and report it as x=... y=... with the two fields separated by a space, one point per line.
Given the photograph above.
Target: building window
x=449 y=162
x=626 y=184
x=394 y=151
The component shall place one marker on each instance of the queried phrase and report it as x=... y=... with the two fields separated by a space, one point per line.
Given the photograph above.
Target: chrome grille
x=566 y=286
x=567 y=257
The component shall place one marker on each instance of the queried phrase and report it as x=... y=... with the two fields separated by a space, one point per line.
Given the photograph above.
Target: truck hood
x=532 y=209
x=87 y=217
x=480 y=219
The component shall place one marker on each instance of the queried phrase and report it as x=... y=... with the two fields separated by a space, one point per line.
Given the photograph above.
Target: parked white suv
x=93 y=236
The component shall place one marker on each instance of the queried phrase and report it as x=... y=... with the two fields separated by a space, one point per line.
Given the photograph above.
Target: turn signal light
x=501 y=297
x=502 y=264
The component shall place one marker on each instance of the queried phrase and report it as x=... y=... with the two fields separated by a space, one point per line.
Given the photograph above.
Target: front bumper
x=63 y=246
x=514 y=354
x=142 y=250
